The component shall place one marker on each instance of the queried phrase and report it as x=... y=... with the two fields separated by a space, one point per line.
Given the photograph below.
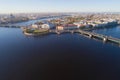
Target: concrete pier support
x=105 y=39
x=90 y=35
x=81 y=33
x=119 y=44
x=72 y=32
x=58 y=32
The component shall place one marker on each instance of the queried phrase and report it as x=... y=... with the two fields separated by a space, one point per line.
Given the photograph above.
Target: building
x=67 y=27
x=81 y=24
x=60 y=27
x=48 y=25
x=45 y=26
x=34 y=26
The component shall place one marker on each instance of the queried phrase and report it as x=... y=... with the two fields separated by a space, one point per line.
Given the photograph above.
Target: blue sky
x=16 y=6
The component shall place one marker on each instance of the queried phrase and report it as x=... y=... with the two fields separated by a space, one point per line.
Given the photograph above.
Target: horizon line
x=61 y=12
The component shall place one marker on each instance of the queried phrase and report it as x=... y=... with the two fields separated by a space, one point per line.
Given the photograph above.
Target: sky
x=26 y=6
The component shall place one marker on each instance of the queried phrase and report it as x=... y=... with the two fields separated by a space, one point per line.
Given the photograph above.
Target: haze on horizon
x=27 y=6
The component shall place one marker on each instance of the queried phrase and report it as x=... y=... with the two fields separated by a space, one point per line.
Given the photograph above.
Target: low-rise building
x=67 y=27
x=34 y=26
x=60 y=27
x=45 y=26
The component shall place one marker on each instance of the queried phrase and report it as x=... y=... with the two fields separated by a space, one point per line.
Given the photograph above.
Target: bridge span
x=90 y=35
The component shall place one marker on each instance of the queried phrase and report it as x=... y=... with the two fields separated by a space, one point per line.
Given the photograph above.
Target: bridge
x=90 y=35
x=10 y=25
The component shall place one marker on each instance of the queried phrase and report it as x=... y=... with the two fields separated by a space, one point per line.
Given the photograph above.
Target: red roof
x=70 y=25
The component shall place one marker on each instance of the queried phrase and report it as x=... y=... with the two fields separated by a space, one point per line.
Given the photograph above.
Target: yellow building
x=34 y=26
x=60 y=28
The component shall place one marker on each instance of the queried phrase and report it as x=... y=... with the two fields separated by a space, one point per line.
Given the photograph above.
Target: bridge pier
x=119 y=45
x=72 y=32
x=81 y=33
x=57 y=32
x=105 y=39
x=90 y=35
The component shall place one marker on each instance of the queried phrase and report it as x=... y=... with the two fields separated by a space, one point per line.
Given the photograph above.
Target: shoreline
x=35 y=32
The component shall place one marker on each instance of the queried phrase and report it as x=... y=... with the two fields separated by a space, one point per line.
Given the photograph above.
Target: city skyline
x=25 y=6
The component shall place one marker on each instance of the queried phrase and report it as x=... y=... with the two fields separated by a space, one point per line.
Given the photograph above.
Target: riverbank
x=32 y=32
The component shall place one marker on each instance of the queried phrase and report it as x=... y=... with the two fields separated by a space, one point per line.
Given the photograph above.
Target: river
x=113 y=31
x=57 y=57
x=33 y=21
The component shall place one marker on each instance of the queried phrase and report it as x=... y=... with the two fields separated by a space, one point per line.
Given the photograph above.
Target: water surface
x=56 y=57
x=114 y=31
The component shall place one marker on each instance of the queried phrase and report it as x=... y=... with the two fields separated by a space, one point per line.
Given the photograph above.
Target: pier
x=102 y=37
